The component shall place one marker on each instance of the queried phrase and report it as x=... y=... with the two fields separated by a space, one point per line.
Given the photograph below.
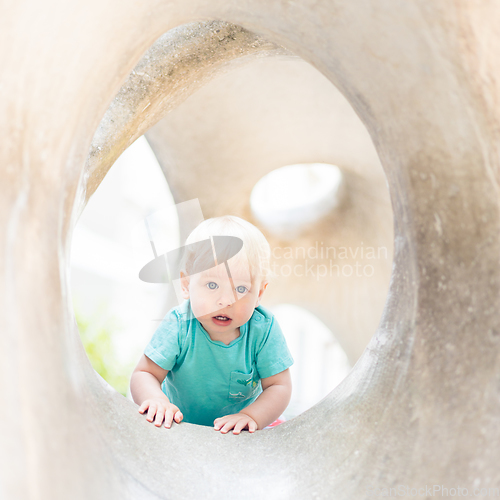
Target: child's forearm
x=144 y=385
x=269 y=405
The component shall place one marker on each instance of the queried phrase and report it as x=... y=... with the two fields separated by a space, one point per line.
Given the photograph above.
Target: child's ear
x=184 y=285
x=263 y=286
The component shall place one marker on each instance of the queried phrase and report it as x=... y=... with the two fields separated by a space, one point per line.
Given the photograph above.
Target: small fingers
x=160 y=413
x=225 y=424
x=178 y=416
x=151 y=412
x=219 y=422
x=228 y=426
x=240 y=425
x=169 y=415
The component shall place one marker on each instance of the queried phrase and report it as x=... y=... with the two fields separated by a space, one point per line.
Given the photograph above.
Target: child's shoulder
x=263 y=329
x=182 y=312
x=179 y=319
x=261 y=318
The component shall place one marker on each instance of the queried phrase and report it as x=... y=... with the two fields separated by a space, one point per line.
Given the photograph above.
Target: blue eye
x=241 y=289
x=215 y=285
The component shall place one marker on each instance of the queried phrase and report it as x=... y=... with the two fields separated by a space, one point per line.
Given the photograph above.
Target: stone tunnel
x=403 y=95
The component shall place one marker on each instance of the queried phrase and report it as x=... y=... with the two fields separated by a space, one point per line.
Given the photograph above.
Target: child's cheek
x=202 y=308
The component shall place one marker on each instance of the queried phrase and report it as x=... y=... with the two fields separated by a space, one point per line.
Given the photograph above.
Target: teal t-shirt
x=208 y=379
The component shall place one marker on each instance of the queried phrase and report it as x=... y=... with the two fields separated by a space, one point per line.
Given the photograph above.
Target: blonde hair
x=255 y=246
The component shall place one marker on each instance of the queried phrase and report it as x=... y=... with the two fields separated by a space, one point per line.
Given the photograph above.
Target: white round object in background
x=289 y=199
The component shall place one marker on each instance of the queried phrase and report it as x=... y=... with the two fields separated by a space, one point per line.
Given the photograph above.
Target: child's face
x=212 y=294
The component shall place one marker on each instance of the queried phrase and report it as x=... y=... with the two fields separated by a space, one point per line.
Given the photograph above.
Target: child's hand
x=238 y=420
x=163 y=410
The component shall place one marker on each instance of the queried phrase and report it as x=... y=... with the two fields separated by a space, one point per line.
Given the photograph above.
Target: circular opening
x=246 y=146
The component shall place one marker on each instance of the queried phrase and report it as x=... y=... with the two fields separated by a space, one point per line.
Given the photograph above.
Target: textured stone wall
x=421 y=406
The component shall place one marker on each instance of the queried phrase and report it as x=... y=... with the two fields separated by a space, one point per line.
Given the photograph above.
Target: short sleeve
x=273 y=356
x=164 y=346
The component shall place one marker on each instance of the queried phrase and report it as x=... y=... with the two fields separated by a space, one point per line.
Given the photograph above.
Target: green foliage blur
x=98 y=343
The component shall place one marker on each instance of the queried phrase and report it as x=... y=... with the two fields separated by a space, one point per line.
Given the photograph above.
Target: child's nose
x=226 y=298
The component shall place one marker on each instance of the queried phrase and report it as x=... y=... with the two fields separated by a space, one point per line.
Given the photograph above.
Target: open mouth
x=222 y=318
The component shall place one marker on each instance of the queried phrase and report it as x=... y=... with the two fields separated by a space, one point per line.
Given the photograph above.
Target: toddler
x=220 y=358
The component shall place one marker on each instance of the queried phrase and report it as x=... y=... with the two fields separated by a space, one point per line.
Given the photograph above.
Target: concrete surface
x=422 y=405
